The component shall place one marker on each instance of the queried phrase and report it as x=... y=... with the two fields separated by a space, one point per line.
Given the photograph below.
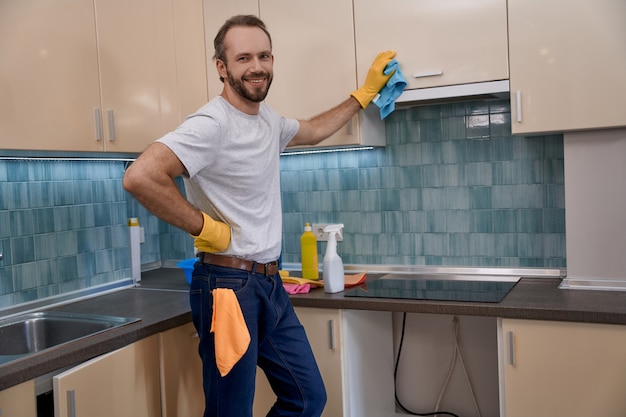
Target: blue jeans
x=278 y=345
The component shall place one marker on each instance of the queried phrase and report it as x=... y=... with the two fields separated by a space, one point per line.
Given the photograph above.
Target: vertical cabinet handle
x=350 y=126
x=518 y=105
x=331 y=334
x=98 y=121
x=511 y=340
x=71 y=403
x=111 y=119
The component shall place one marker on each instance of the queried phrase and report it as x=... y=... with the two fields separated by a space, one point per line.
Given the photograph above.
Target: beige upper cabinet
x=568 y=64
x=98 y=76
x=439 y=42
x=562 y=369
x=137 y=72
x=49 y=84
x=314 y=61
x=151 y=55
x=314 y=66
x=215 y=14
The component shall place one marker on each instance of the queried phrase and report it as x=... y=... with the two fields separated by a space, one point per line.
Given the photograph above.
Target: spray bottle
x=334 y=280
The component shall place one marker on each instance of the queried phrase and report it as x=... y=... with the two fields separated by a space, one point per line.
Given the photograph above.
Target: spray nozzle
x=334 y=231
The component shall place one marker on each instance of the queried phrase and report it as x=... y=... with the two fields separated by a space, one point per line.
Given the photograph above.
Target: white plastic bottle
x=333 y=273
x=135 y=249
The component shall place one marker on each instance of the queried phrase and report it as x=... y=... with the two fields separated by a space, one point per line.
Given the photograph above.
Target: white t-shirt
x=232 y=159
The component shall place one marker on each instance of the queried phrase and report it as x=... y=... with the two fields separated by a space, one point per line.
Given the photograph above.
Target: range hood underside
x=486 y=90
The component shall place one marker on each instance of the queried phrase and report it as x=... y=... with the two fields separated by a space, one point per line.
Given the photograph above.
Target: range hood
x=483 y=90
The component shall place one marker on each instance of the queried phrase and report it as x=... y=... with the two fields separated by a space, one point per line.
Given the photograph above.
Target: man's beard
x=255 y=95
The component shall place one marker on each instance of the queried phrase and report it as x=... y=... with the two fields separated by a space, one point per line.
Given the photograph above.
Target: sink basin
x=34 y=332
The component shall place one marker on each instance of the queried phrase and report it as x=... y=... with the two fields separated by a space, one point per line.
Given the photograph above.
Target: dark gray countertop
x=531 y=298
x=161 y=301
x=159 y=310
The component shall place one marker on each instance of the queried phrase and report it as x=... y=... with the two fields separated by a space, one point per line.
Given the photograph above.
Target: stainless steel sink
x=34 y=332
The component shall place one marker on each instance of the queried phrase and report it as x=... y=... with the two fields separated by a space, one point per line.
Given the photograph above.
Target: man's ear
x=221 y=68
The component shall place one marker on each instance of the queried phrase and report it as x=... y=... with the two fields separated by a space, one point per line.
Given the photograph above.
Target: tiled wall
x=452 y=187
x=63 y=227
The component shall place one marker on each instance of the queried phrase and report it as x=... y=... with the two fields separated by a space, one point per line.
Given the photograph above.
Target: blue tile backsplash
x=452 y=187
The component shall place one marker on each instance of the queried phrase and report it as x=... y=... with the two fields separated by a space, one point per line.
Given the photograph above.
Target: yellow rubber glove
x=214 y=237
x=375 y=79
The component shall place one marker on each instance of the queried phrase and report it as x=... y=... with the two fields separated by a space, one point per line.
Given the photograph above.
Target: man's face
x=249 y=62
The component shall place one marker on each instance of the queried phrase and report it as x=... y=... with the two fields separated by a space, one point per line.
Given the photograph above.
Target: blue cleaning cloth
x=386 y=98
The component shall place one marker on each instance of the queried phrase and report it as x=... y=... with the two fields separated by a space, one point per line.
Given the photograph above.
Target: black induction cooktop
x=437 y=288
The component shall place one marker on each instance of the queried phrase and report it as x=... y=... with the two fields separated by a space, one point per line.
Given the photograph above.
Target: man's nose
x=256 y=64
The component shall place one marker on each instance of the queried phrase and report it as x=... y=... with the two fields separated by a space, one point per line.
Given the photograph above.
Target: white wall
x=595 y=206
x=427 y=353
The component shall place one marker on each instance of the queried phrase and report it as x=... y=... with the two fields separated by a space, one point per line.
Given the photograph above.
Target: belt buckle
x=267 y=267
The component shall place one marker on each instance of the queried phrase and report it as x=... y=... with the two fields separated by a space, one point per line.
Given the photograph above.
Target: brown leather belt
x=270 y=268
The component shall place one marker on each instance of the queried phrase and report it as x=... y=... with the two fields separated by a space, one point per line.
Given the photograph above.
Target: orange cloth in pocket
x=232 y=337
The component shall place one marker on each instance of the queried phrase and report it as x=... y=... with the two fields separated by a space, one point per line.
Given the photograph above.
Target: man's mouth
x=257 y=81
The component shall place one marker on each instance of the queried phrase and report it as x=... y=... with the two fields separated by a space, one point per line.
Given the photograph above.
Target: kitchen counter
x=531 y=298
x=159 y=310
x=161 y=302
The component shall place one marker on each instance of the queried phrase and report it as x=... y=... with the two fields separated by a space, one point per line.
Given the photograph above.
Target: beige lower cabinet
x=121 y=383
x=354 y=351
x=566 y=369
x=19 y=400
x=181 y=372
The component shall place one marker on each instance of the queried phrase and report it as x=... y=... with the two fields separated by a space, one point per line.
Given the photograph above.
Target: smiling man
x=228 y=155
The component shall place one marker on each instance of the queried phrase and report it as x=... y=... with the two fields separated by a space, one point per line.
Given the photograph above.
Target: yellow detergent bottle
x=308 y=247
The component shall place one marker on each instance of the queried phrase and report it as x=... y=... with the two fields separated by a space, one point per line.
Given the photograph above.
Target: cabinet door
x=121 y=383
x=137 y=72
x=564 y=369
x=19 y=400
x=191 y=69
x=439 y=42
x=49 y=88
x=114 y=83
x=314 y=68
x=323 y=330
x=215 y=14
x=181 y=373
x=568 y=64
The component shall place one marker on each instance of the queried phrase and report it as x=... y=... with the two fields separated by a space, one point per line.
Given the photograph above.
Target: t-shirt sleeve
x=289 y=130
x=195 y=142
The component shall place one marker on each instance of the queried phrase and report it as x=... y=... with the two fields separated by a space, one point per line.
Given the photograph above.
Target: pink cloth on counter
x=296 y=288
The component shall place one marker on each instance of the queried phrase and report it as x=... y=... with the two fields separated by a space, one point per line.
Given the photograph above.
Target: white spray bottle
x=333 y=273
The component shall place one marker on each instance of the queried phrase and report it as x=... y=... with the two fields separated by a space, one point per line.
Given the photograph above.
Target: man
x=228 y=154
